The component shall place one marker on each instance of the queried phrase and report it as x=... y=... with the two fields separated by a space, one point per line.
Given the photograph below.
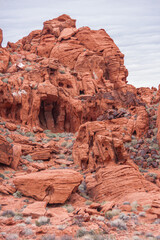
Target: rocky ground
x=79 y=147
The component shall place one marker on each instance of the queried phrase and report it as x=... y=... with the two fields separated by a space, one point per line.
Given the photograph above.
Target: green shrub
x=63 y=144
x=30 y=134
x=81 y=232
x=2 y=176
x=88 y=202
x=17 y=194
x=134 y=206
x=21 y=78
x=70 y=145
x=5 y=80
x=42 y=221
x=69 y=208
x=9 y=140
x=8 y=213
x=27 y=157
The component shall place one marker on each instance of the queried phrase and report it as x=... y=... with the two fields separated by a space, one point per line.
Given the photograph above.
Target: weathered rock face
x=62 y=77
x=99 y=143
x=9 y=153
x=57 y=81
x=118 y=184
x=54 y=186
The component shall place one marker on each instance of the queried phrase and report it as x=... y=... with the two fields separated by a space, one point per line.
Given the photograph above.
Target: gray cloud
x=133 y=25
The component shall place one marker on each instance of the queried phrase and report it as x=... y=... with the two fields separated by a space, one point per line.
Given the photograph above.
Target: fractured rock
x=51 y=186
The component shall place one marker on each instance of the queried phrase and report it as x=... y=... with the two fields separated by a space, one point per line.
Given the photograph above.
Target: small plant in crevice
x=17 y=194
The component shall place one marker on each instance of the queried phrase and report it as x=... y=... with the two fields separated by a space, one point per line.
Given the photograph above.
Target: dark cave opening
x=55 y=117
x=106 y=75
x=55 y=112
x=81 y=92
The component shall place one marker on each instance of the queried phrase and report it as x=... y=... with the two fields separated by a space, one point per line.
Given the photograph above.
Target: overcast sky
x=134 y=25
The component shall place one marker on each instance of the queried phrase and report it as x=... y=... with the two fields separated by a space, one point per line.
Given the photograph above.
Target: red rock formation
x=119 y=184
x=63 y=77
x=99 y=143
x=9 y=153
x=54 y=186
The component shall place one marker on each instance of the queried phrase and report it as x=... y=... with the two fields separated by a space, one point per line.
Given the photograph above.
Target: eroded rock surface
x=61 y=77
x=103 y=179
x=54 y=186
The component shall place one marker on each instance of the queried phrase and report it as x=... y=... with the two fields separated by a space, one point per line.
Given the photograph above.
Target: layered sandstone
x=54 y=186
x=53 y=83
x=62 y=77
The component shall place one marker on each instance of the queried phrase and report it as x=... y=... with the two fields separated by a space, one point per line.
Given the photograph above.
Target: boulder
x=51 y=186
x=35 y=209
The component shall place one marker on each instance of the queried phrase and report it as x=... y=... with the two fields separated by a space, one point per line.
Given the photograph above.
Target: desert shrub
x=17 y=194
x=9 y=140
x=134 y=206
x=66 y=237
x=70 y=145
x=61 y=227
x=27 y=232
x=81 y=232
x=63 y=135
x=28 y=220
x=110 y=214
x=146 y=207
x=2 y=176
x=50 y=134
x=12 y=237
x=88 y=202
x=21 y=78
x=30 y=134
x=5 y=80
x=8 y=213
x=118 y=223
x=69 y=208
x=27 y=157
x=42 y=221
x=63 y=144
x=48 y=237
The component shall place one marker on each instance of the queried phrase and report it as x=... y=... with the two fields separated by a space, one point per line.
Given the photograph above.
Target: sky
x=133 y=25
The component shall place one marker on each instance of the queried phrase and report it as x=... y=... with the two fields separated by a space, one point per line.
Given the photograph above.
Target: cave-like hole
x=42 y=118
x=69 y=86
x=55 y=111
x=51 y=71
x=134 y=133
x=49 y=190
x=60 y=84
x=106 y=75
x=81 y=92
